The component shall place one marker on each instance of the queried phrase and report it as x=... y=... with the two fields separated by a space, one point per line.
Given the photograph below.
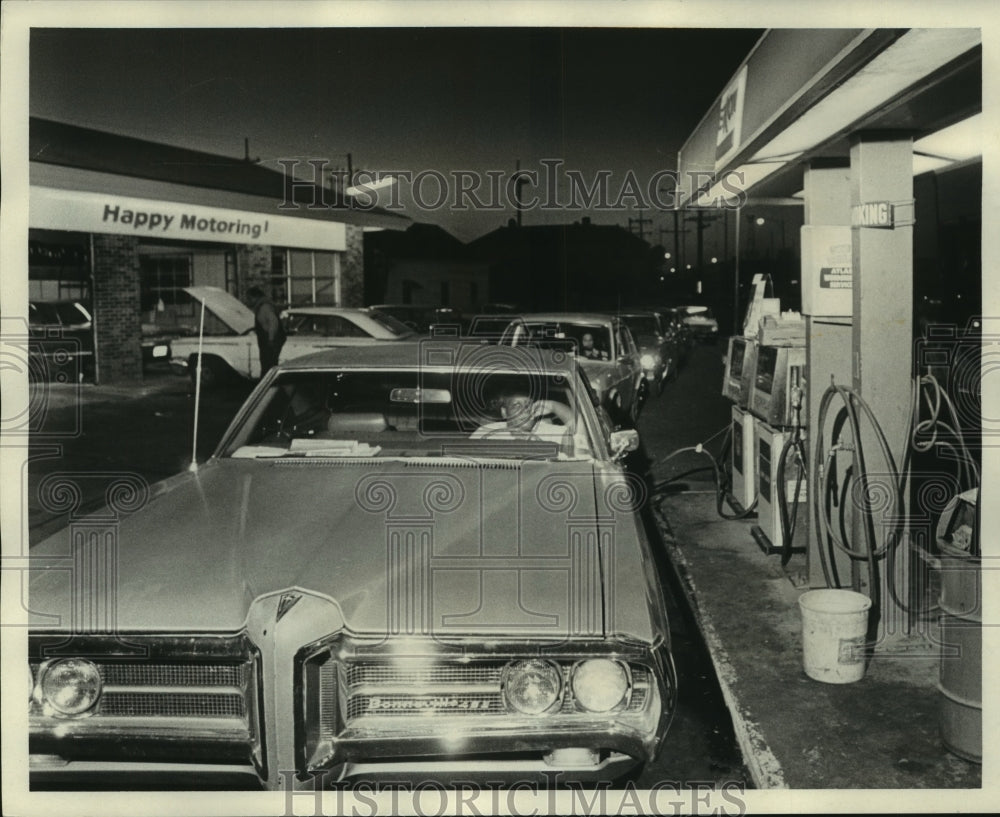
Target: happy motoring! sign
x=58 y=209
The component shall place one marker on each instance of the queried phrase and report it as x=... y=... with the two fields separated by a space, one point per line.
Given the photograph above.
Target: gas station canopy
x=800 y=94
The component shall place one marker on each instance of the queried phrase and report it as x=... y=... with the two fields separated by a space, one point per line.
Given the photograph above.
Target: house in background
x=576 y=266
x=424 y=265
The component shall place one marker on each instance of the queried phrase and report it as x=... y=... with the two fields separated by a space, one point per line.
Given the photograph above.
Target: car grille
x=163 y=698
x=172 y=691
x=171 y=705
x=383 y=695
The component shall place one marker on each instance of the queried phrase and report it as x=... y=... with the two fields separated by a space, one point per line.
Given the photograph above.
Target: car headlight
x=70 y=686
x=532 y=687
x=648 y=361
x=599 y=684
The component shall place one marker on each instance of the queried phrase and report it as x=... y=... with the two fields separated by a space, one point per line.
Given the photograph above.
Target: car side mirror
x=623 y=442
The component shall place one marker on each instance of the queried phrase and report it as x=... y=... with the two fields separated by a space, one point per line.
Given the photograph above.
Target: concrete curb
x=765 y=769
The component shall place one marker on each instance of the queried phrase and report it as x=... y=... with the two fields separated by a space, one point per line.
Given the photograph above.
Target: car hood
x=228 y=309
x=508 y=548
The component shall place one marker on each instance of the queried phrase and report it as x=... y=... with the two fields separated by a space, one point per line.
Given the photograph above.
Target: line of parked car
x=626 y=355
x=422 y=557
x=61 y=343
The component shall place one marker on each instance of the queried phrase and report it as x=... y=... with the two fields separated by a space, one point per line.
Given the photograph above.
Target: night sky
x=416 y=99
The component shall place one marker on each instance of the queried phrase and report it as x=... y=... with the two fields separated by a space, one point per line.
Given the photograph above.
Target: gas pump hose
x=825 y=466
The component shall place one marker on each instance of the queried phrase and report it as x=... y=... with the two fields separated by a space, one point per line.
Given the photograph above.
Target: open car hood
x=228 y=309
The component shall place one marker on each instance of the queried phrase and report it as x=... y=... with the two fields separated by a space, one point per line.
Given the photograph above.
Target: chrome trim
x=327 y=736
x=121 y=727
x=486 y=768
x=168 y=681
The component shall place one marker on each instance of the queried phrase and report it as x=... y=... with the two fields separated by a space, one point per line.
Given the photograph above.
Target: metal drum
x=961 y=655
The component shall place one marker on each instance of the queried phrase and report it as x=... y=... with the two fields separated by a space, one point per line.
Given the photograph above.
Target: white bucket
x=834 y=624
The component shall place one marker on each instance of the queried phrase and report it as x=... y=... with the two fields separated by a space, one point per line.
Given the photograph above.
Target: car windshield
x=389 y=323
x=487 y=325
x=42 y=312
x=641 y=325
x=591 y=341
x=414 y=413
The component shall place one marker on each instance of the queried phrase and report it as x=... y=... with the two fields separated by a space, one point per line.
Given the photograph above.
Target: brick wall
x=116 y=309
x=352 y=268
x=253 y=268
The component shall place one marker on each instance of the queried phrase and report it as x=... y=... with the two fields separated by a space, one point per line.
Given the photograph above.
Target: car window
x=415 y=413
x=42 y=313
x=642 y=325
x=341 y=327
x=620 y=342
x=629 y=340
x=389 y=323
x=565 y=335
x=71 y=314
x=306 y=325
x=604 y=423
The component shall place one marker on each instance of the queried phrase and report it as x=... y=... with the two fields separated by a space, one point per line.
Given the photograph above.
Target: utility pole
x=518 y=184
x=703 y=222
x=677 y=238
x=640 y=221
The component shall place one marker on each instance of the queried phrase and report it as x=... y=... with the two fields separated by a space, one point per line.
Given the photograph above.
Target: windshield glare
x=389 y=323
x=354 y=413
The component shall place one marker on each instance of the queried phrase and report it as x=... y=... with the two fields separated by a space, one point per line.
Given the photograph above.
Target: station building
x=124 y=224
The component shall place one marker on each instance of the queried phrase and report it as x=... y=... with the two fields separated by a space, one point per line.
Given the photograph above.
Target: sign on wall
x=57 y=209
x=730 y=125
x=827 y=271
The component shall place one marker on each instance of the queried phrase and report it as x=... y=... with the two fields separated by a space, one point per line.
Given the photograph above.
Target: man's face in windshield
x=587 y=341
x=518 y=411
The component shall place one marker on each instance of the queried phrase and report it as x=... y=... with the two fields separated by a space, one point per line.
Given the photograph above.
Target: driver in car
x=588 y=350
x=524 y=418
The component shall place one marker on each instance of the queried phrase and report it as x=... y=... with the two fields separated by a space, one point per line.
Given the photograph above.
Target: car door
x=626 y=361
x=637 y=373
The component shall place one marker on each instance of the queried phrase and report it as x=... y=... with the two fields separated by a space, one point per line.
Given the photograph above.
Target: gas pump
x=776 y=401
x=737 y=386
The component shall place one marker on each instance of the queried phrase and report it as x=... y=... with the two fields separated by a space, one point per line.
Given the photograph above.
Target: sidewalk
x=881 y=732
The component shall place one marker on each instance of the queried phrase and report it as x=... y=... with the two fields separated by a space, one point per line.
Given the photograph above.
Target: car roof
x=327 y=310
x=565 y=317
x=436 y=354
x=635 y=312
